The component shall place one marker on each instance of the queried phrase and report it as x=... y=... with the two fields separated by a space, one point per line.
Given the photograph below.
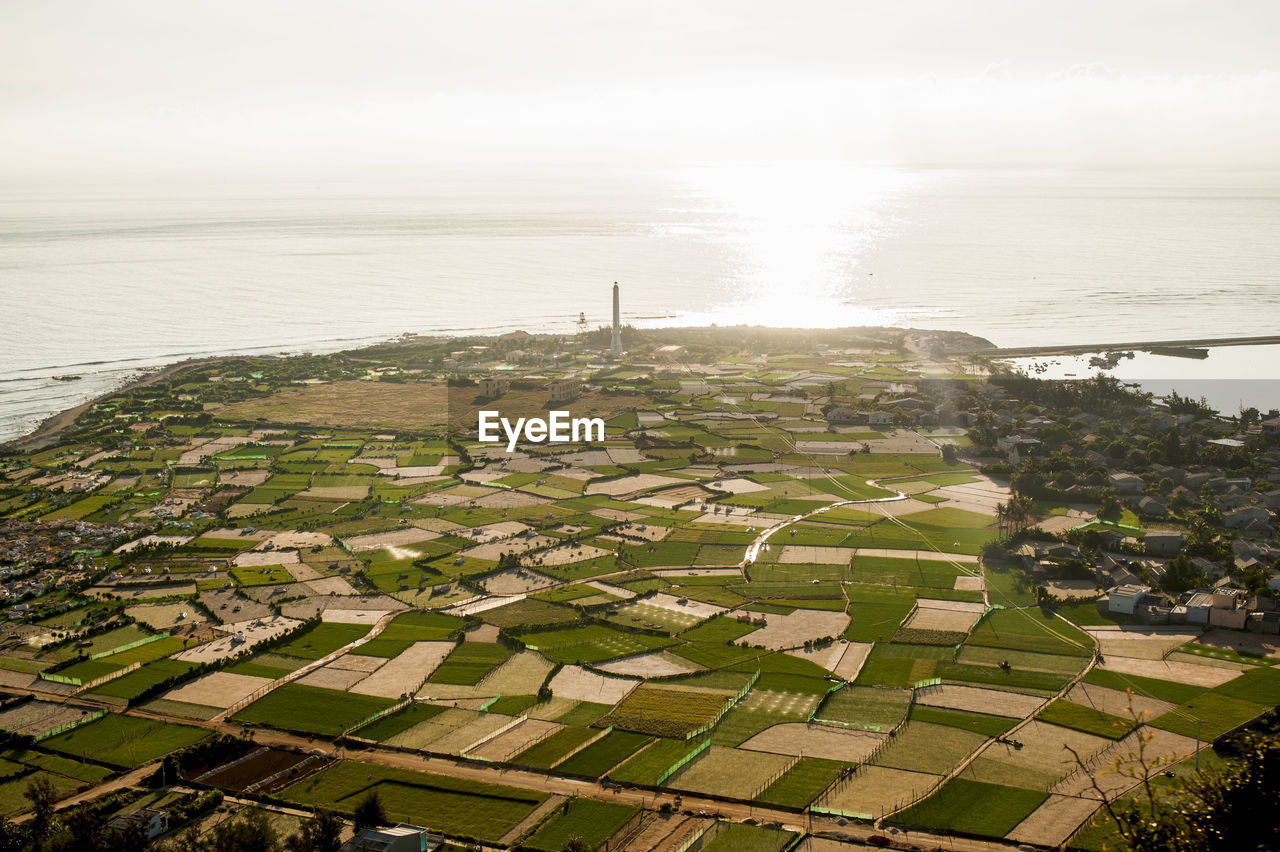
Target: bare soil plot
x=851 y=662
x=481 y=603
x=632 y=484
x=460 y=739
x=954 y=616
x=405 y=672
x=616 y=591
x=969 y=583
x=163 y=616
x=875 y=790
x=684 y=605
x=805 y=554
x=902 y=441
x=241 y=635
x=423 y=734
x=800 y=739
x=647 y=532
x=217 y=689
x=581 y=685
x=1161 y=744
x=827 y=656
x=925 y=747
x=229 y=605
x=720 y=768
x=33 y=718
x=1054 y=821
x=301 y=572
x=737 y=486
x=244 y=478
x=655 y=664
x=265 y=557
x=300 y=539
x=567 y=553
x=332 y=678
x=358 y=663
x=517 y=544
x=392 y=538
x=516 y=581
x=1190 y=673
x=1041 y=761
x=149 y=540
x=1115 y=701
x=1149 y=643
x=796 y=628
x=483 y=633
x=330 y=586
x=982 y=496
x=511 y=500
x=16 y=680
x=1072 y=589
x=523 y=673
x=976 y=699
x=515 y=740
x=1248 y=643
x=931 y=555
x=343 y=605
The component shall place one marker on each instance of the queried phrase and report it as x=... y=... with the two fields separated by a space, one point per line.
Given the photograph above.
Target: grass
x=1030 y=630
x=411 y=627
x=665 y=712
x=468 y=663
x=603 y=754
x=876 y=611
x=1210 y=714
x=124 y=741
x=321 y=640
x=648 y=765
x=591 y=644
x=974 y=807
x=739 y=837
x=545 y=754
x=802 y=783
x=399 y=722
x=924 y=747
x=452 y=805
x=261 y=575
x=311 y=709
x=866 y=706
x=1078 y=717
x=139 y=681
x=980 y=723
x=587 y=820
x=887 y=570
x=1148 y=687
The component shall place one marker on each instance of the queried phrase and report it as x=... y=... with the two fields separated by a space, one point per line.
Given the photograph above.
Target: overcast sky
x=100 y=86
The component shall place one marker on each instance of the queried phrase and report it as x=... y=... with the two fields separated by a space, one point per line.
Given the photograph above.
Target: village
x=812 y=590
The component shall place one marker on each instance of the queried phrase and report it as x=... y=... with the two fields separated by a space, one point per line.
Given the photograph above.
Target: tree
x=42 y=795
x=318 y=834
x=369 y=812
x=249 y=832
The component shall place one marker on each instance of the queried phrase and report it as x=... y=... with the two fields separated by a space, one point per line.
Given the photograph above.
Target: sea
x=104 y=279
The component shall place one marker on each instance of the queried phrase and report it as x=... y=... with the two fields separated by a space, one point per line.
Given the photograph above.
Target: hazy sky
x=100 y=86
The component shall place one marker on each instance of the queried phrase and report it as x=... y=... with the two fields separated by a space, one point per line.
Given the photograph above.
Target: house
x=1126 y=484
x=396 y=838
x=1152 y=506
x=1125 y=599
x=564 y=390
x=844 y=414
x=1240 y=518
x=1013 y=446
x=1110 y=539
x=491 y=388
x=879 y=418
x=153 y=822
x=1165 y=542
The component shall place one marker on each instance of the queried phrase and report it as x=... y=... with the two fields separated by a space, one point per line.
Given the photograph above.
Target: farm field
x=124 y=741
x=310 y=709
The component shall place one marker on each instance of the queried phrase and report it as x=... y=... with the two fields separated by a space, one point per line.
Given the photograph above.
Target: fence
x=620 y=838
x=101 y=679
x=137 y=643
x=729 y=705
x=774 y=777
x=378 y=714
x=682 y=762
x=74 y=723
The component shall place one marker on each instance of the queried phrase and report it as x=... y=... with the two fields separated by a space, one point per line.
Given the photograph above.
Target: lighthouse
x=617 y=324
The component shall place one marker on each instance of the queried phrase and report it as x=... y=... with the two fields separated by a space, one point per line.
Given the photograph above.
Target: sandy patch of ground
x=1146 y=642
x=352 y=616
x=247 y=510
x=33 y=718
x=514 y=740
x=523 y=673
x=793 y=630
x=1072 y=589
x=742 y=518
x=684 y=605
x=423 y=734
x=1115 y=701
x=799 y=739
x=956 y=616
x=581 y=685
x=875 y=790
x=647 y=532
x=148 y=540
x=358 y=663
x=300 y=539
x=483 y=633
x=16 y=680
x=457 y=742
x=803 y=554
x=405 y=672
x=1248 y=643
x=617 y=515
x=1054 y=821
x=827 y=656
x=1190 y=673
x=962 y=558
x=310 y=607
x=223 y=603
x=481 y=603
x=967 y=583
x=567 y=553
x=516 y=581
x=166 y=615
x=244 y=478
x=332 y=678
x=632 y=484
x=241 y=635
x=491 y=550
x=616 y=591
x=982 y=496
x=720 y=767
x=392 y=538
x=1042 y=760
x=656 y=664
x=302 y=572
x=1161 y=744
x=217 y=689
x=737 y=486
x=252 y=558
x=976 y=699
x=330 y=586
x=336 y=492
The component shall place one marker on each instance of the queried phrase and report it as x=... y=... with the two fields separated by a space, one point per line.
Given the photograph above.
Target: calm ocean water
x=102 y=281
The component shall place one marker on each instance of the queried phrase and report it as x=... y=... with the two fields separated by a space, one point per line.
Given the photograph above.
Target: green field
x=550 y=751
x=876 y=611
x=136 y=682
x=125 y=741
x=591 y=644
x=311 y=709
x=261 y=575
x=665 y=712
x=973 y=807
x=646 y=766
x=1163 y=690
x=588 y=820
x=738 y=837
x=1030 y=630
x=400 y=721
x=990 y=726
x=410 y=627
x=867 y=707
x=603 y=754
x=452 y=805
x=321 y=640
x=802 y=783
x=1081 y=718
x=469 y=662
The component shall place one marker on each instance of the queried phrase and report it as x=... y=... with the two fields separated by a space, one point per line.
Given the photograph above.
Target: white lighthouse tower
x=617 y=324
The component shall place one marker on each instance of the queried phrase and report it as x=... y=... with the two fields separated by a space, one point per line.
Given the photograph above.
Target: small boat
x=67 y=378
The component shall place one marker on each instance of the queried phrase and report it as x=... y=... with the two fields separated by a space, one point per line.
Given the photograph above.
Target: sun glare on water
x=796 y=234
